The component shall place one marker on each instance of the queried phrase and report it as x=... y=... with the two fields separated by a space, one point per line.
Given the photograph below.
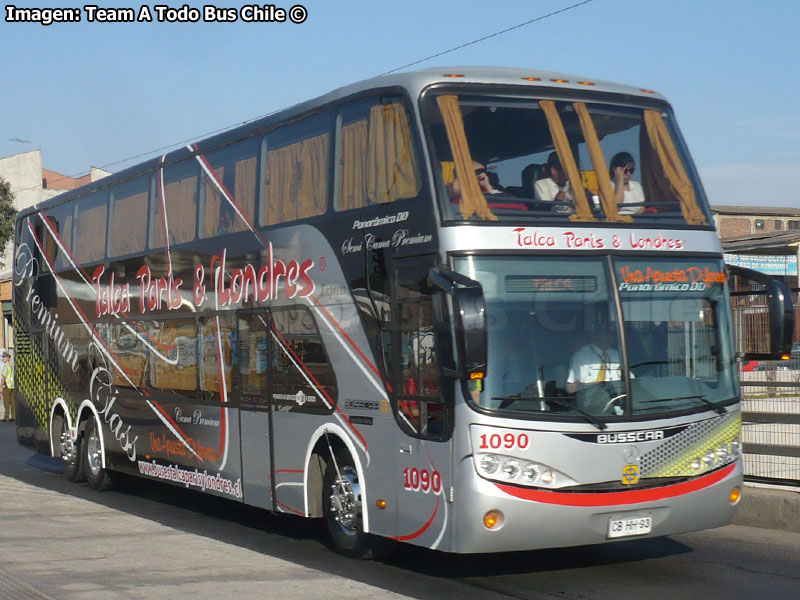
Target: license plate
x=630 y=526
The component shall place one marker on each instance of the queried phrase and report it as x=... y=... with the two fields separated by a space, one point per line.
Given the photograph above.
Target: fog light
x=492 y=519
x=736 y=494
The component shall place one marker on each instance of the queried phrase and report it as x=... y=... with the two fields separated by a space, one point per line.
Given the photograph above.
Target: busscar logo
x=628 y=437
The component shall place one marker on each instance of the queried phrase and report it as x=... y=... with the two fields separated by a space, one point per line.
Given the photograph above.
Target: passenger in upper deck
x=626 y=191
x=556 y=187
x=454 y=188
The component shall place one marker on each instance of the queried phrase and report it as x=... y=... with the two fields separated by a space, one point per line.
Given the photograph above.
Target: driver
x=595 y=363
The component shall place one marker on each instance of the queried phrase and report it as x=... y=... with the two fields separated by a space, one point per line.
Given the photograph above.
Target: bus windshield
x=556 y=348
x=555 y=160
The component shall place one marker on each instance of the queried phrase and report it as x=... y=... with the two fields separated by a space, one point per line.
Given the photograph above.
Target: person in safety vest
x=7 y=384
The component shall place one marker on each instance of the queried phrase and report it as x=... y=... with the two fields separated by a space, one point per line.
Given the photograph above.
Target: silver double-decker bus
x=470 y=309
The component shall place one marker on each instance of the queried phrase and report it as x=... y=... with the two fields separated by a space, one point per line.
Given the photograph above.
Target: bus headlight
x=513 y=470
x=489 y=464
x=716 y=457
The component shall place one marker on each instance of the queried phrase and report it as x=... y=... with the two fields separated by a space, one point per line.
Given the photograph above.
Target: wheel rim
x=93 y=452
x=66 y=445
x=346 y=501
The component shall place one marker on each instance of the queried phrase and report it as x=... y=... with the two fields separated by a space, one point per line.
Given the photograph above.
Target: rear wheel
x=68 y=449
x=97 y=477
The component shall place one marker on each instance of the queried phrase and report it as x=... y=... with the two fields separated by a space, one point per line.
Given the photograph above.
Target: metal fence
x=771 y=409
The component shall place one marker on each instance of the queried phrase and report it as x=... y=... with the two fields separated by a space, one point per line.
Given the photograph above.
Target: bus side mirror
x=470 y=323
x=754 y=297
x=469 y=308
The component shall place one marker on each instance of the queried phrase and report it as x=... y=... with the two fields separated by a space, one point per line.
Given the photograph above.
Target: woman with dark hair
x=626 y=191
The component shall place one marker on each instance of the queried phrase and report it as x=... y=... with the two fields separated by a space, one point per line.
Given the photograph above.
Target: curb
x=769 y=508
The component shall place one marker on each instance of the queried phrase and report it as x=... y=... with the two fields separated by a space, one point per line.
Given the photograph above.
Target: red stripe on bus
x=222 y=385
x=307 y=372
x=351 y=342
x=421 y=530
x=617 y=498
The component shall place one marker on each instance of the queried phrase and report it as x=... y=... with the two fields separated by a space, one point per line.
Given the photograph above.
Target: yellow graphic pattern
x=37 y=380
x=701 y=448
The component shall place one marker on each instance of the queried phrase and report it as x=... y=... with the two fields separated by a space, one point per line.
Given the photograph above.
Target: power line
x=486 y=37
x=416 y=62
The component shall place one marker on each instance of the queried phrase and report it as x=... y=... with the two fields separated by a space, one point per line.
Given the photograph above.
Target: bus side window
x=90 y=230
x=297 y=171
x=302 y=377
x=229 y=196
x=252 y=358
x=178 y=199
x=59 y=234
x=219 y=334
x=127 y=230
x=376 y=154
x=419 y=408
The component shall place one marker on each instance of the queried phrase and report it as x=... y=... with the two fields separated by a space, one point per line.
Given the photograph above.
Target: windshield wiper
x=717 y=409
x=591 y=418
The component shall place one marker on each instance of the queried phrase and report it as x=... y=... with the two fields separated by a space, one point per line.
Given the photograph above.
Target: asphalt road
x=144 y=540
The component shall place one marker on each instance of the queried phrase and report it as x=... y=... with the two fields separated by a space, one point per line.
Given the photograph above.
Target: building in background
x=765 y=239
x=31 y=184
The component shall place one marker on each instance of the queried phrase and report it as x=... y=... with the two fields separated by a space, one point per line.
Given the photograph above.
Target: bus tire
x=341 y=505
x=97 y=477
x=67 y=449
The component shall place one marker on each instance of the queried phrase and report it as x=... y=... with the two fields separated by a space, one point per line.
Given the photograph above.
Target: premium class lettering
x=49 y=321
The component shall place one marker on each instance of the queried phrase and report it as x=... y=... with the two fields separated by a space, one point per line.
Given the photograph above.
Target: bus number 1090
x=509 y=441
x=422 y=480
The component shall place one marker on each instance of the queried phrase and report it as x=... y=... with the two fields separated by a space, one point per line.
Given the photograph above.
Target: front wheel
x=97 y=477
x=341 y=502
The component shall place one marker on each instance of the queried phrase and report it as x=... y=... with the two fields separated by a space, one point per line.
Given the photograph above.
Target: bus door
x=423 y=468
x=255 y=420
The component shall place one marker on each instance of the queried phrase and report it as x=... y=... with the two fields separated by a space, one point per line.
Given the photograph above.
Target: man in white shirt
x=556 y=187
x=596 y=362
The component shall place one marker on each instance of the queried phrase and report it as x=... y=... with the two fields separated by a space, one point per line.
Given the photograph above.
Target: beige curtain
x=391 y=165
x=583 y=211
x=245 y=190
x=91 y=234
x=473 y=201
x=181 y=199
x=297 y=180
x=599 y=163
x=183 y=376
x=661 y=142
x=128 y=225
x=210 y=360
x=353 y=186
x=212 y=203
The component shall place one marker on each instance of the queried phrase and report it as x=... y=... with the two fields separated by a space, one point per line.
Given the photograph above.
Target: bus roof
x=412 y=81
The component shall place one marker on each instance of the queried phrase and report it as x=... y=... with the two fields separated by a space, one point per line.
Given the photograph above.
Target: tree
x=7 y=213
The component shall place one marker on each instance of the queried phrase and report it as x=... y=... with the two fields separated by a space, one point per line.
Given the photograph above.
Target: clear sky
x=101 y=93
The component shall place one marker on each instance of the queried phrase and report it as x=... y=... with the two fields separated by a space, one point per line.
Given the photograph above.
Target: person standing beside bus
x=7 y=384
